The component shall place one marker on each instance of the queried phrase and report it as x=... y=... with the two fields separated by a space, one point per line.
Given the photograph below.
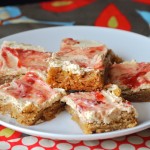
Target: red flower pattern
x=112 y=17
x=64 y=5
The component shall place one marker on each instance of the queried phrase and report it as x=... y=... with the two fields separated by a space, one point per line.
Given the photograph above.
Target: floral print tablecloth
x=131 y=15
x=14 y=140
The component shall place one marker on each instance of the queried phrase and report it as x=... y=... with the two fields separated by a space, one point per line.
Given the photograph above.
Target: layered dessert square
x=134 y=80
x=80 y=65
x=101 y=111
x=18 y=58
x=30 y=100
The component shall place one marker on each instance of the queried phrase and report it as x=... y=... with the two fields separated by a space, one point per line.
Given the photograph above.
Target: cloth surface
x=14 y=140
x=130 y=15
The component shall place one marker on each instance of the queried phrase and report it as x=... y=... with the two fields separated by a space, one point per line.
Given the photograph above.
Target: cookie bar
x=134 y=80
x=101 y=111
x=80 y=65
x=29 y=99
x=18 y=58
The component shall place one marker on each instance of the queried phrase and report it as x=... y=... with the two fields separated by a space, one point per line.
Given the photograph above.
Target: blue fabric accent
x=25 y=19
x=145 y=15
x=2 y=10
x=13 y=11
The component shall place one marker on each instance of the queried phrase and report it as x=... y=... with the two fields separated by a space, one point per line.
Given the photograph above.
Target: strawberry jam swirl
x=93 y=101
x=30 y=87
x=86 y=54
x=132 y=75
x=99 y=106
x=25 y=58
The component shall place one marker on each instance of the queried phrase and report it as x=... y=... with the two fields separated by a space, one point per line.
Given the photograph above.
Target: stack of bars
x=24 y=92
x=82 y=77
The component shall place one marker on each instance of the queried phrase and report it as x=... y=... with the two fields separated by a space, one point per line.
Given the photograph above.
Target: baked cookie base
x=89 y=81
x=7 y=78
x=140 y=96
x=31 y=114
x=127 y=120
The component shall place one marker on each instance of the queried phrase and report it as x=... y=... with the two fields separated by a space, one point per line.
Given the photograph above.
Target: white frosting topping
x=14 y=60
x=88 y=43
x=91 y=109
x=21 y=93
x=79 y=57
x=23 y=46
x=131 y=75
x=68 y=66
x=22 y=103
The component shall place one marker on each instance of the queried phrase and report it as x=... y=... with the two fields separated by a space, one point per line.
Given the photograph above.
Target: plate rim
x=85 y=137
x=79 y=26
x=122 y=132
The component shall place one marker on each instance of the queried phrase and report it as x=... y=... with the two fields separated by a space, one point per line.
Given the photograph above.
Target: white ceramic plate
x=125 y=44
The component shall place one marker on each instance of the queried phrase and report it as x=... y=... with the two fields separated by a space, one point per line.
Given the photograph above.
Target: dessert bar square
x=30 y=100
x=101 y=111
x=18 y=58
x=134 y=80
x=80 y=65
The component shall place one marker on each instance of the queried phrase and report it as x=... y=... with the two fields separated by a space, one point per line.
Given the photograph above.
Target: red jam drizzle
x=99 y=97
x=27 y=58
x=132 y=81
x=31 y=87
x=87 y=54
x=91 y=102
x=70 y=41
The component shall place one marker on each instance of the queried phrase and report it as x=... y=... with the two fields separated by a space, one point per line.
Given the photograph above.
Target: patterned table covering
x=10 y=139
x=130 y=15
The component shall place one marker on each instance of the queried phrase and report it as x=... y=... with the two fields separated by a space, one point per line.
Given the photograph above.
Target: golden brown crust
x=7 y=78
x=31 y=114
x=111 y=58
x=140 y=96
x=114 y=58
x=127 y=120
x=58 y=78
x=89 y=81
